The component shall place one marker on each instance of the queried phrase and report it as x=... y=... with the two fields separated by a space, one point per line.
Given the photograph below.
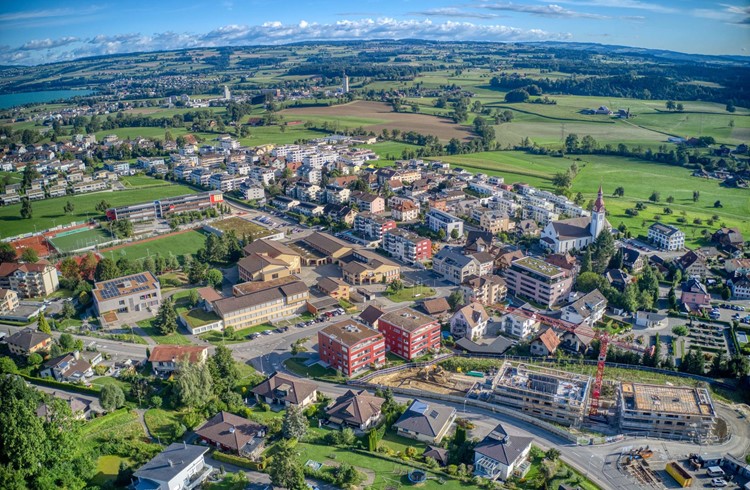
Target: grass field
x=160 y=423
x=107 y=468
x=172 y=339
x=83 y=239
x=179 y=245
x=49 y=212
x=242 y=227
x=411 y=294
x=638 y=178
x=217 y=338
x=140 y=181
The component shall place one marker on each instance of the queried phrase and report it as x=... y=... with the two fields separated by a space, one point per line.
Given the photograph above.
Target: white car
x=718 y=482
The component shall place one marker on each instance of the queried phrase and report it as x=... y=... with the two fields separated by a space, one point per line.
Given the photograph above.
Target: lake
x=12 y=100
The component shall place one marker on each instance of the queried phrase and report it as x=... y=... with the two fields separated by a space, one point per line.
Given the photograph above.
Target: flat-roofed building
x=543 y=393
x=667 y=411
x=259 y=302
x=372 y=226
x=351 y=347
x=127 y=294
x=439 y=220
x=407 y=246
x=537 y=280
x=408 y=333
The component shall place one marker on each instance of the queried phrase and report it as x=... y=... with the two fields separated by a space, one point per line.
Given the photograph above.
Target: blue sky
x=41 y=31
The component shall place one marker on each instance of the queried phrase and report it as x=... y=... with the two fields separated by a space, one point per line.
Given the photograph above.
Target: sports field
x=178 y=244
x=81 y=239
x=49 y=212
x=638 y=178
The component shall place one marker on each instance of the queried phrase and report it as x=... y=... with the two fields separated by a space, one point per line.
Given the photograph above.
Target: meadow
x=638 y=178
x=49 y=212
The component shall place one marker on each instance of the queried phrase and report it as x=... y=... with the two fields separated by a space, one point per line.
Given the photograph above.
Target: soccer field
x=82 y=239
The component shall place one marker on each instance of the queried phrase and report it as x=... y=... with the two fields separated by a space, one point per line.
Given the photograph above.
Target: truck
x=679 y=473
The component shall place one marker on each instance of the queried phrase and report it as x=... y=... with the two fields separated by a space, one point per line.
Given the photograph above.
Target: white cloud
x=275 y=32
x=453 y=12
x=550 y=10
x=622 y=4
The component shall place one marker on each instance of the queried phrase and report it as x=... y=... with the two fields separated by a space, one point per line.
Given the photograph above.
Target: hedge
x=239 y=461
x=63 y=386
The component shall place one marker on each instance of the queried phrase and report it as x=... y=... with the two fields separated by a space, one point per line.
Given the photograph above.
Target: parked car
x=718 y=482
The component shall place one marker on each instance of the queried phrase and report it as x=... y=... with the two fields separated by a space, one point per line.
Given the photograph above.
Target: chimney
x=184 y=445
x=171 y=463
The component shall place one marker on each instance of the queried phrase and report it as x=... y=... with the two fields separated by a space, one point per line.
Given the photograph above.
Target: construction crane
x=597 y=391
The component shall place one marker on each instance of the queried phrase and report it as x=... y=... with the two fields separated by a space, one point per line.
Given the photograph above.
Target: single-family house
x=282 y=389
x=425 y=422
x=179 y=467
x=356 y=409
x=498 y=455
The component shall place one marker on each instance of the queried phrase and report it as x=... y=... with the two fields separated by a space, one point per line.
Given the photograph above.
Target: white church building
x=576 y=233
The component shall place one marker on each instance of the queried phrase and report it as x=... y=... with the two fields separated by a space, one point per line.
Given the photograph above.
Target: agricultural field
x=376 y=116
x=638 y=178
x=177 y=244
x=49 y=212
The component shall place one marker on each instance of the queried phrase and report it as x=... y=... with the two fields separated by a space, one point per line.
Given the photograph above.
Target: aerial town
x=262 y=290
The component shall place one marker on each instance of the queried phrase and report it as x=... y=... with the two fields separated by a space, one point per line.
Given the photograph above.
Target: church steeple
x=598 y=219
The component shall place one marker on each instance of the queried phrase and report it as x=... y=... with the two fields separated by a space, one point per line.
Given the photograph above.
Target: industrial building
x=546 y=394
x=666 y=411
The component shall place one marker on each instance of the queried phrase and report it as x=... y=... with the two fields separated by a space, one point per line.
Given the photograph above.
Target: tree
x=562 y=180
x=680 y=330
x=718 y=204
x=102 y=206
x=518 y=95
x=696 y=195
x=295 y=424
x=604 y=248
x=552 y=454
x=26 y=211
x=441 y=234
x=194 y=298
x=40 y=453
x=285 y=469
x=43 y=324
x=586 y=263
x=672 y=299
x=456 y=299
x=7 y=366
x=166 y=319
x=455 y=234
x=69 y=207
x=630 y=298
x=670 y=105
x=223 y=370
x=106 y=270
x=396 y=285
x=680 y=107
x=214 y=278
x=7 y=252
x=730 y=106
x=111 y=397
x=29 y=255
x=738 y=366
x=655 y=196
x=193 y=384
x=67 y=342
x=619 y=192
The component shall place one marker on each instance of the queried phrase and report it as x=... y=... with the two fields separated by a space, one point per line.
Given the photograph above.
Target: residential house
x=539 y=281
x=368 y=202
x=499 y=455
x=439 y=220
x=740 y=287
x=127 y=294
x=488 y=290
x=351 y=347
x=405 y=210
x=666 y=237
x=233 y=434
x=692 y=264
x=586 y=310
x=728 y=238
x=470 y=321
x=436 y=307
x=29 y=280
x=80 y=407
x=737 y=267
x=520 y=324
x=371 y=315
x=285 y=390
x=371 y=226
x=646 y=319
x=8 y=301
x=165 y=359
x=407 y=246
x=695 y=296
x=494 y=222
x=28 y=341
x=456 y=267
x=437 y=453
x=357 y=409
x=426 y=422
x=179 y=467
x=545 y=344
x=408 y=333
x=618 y=279
x=579 y=340
x=67 y=368
x=632 y=260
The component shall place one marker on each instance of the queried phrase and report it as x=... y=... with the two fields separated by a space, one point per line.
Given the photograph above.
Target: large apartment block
x=136 y=292
x=543 y=393
x=407 y=246
x=408 y=333
x=259 y=302
x=29 y=280
x=538 y=281
x=372 y=226
x=351 y=347
x=666 y=237
x=439 y=220
x=667 y=411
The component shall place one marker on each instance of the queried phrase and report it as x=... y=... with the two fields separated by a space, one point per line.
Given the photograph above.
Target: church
x=576 y=233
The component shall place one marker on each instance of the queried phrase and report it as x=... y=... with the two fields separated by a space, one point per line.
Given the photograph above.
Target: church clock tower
x=597 y=215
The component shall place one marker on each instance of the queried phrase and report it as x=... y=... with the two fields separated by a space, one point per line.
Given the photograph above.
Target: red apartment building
x=407 y=246
x=351 y=347
x=408 y=333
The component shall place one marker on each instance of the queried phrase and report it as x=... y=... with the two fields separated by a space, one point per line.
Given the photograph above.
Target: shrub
x=240 y=461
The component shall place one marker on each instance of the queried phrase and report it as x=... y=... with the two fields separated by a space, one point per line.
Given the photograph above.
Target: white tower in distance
x=597 y=215
x=227 y=94
x=345 y=87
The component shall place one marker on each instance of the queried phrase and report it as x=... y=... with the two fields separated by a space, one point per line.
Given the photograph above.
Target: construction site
x=432 y=378
x=678 y=412
x=549 y=394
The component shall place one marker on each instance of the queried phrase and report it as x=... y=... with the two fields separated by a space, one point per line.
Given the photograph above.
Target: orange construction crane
x=597 y=391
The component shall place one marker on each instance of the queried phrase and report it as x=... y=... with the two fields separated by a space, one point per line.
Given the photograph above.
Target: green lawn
x=49 y=212
x=140 y=181
x=107 y=468
x=411 y=294
x=101 y=382
x=160 y=423
x=297 y=366
x=197 y=317
x=243 y=227
x=249 y=378
x=179 y=245
x=121 y=422
x=216 y=337
x=172 y=339
x=82 y=239
x=399 y=443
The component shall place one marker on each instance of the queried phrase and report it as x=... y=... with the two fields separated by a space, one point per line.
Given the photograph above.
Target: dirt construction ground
x=414 y=379
x=443 y=128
